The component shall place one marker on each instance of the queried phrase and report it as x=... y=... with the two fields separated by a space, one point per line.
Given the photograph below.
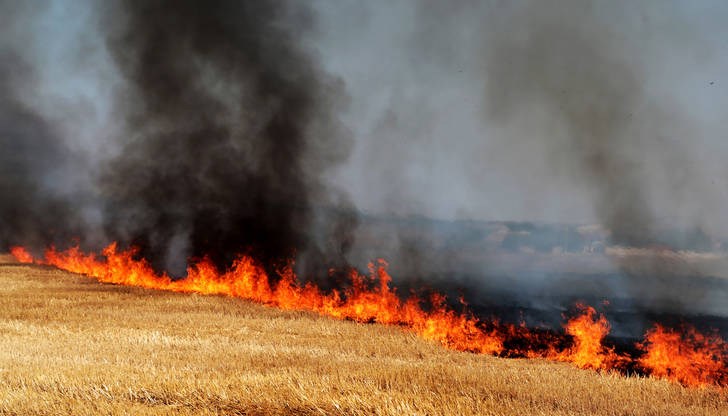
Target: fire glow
x=686 y=356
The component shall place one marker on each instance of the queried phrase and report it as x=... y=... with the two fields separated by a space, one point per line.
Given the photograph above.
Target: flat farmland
x=71 y=345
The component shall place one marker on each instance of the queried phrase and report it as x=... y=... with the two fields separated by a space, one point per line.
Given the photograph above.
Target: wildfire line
x=686 y=356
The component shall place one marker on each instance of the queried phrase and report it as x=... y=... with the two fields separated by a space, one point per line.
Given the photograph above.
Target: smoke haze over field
x=569 y=111
x=210 y=128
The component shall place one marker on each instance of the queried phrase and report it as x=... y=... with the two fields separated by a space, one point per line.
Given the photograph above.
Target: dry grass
x=70 y=345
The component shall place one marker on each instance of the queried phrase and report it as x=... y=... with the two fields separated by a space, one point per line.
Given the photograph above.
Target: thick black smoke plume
x=228 y=124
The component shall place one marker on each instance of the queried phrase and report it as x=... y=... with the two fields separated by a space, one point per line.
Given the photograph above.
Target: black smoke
x=230 y=125
x=227 y=124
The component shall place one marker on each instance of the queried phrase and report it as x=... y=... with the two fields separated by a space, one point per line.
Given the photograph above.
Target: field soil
x=71 y=345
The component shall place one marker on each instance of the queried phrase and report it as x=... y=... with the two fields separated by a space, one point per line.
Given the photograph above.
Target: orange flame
x=21 y=254
x=247 y=280
x=588 y=331
x=690 y=358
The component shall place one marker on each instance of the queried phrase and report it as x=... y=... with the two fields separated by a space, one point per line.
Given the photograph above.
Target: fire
x=368 y=299
x=688 y=357
x=588 y=331
x=21 y=254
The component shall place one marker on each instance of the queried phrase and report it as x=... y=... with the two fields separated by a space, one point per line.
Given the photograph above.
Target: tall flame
x=588 y=331
x=687 y=357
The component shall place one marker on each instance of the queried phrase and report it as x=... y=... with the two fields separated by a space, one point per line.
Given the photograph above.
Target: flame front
x=688 y=357
x=247 y=280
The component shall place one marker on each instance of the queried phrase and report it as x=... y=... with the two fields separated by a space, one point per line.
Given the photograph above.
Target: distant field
x=70 y=345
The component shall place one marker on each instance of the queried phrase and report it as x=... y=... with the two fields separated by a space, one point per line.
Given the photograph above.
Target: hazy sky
x=416 y=74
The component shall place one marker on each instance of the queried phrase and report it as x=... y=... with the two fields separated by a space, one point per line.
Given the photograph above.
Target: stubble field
x=70 y=345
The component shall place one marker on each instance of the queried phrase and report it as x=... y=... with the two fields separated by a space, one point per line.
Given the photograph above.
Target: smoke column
x=227 y=123
x=230 y=124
